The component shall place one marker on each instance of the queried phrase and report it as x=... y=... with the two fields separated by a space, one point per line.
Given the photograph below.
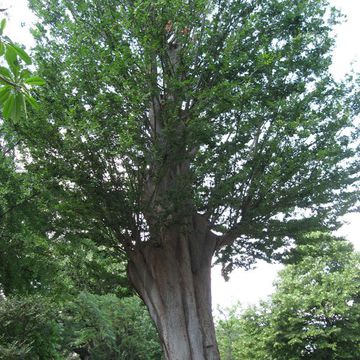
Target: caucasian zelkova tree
x=181 y=133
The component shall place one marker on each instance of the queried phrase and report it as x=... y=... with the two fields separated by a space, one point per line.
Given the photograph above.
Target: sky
x=248 y=287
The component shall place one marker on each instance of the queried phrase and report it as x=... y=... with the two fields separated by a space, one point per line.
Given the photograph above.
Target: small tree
x=171 y=131
x=106 y=327
x=314 y=312
x=28 y=329
x=228 y=330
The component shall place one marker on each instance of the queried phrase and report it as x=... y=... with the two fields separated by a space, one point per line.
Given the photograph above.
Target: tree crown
x=156 y=110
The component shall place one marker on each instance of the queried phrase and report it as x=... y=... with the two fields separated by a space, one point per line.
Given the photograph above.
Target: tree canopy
x=249 y=121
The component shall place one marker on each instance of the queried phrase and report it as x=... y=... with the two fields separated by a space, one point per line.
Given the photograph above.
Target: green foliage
x=240 y=333
x=101 y=326
x=86 y=267
x=16 y=81
x=107 y=327
x=314 y=313
x=28 y=329
x=228 y=330
x=32 y=258
x=25 y=254
x=249 y=115
x=317 y=302
x=31 y=261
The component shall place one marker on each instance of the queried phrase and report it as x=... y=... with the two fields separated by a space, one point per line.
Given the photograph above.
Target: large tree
x=171 y=131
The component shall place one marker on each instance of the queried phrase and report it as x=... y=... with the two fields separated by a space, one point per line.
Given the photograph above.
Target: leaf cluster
x=16 y=79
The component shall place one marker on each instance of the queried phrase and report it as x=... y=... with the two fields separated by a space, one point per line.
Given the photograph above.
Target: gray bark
x=174 y=281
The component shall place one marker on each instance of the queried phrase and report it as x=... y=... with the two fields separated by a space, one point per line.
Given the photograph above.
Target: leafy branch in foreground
x=16 y=80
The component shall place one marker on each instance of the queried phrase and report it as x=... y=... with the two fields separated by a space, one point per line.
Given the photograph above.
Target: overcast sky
x=244 y=286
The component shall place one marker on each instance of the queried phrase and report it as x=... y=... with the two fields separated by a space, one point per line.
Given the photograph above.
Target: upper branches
x=224 y=108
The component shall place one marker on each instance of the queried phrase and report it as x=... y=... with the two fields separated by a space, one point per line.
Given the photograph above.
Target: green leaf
x=23 y=105
x=31 y=101
x=18 y=107
x=5 y=72
x=2 y=49
x=8 y=106
x=4 y=93
x=10 y=56
x=35 y=80
x=25 y=74
x=2 y=26
x=11 y=59
x=22 y=54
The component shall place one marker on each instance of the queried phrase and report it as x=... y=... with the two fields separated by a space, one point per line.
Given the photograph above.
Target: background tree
x=28 y=328
x=173 y=130
x=106 y=327
x=92 y=326
x=314 y=312
x=242 y=332
x=228 y=331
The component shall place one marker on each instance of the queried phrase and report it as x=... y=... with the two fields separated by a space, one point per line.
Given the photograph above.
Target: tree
x=171 y=131
x=106 y=327
x=28 y=328
x=242 y=333
x=313 y=314
x=228 y=331
x=92 y=326
x=315 y=311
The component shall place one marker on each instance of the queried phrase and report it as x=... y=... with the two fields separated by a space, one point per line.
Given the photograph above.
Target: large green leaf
x=5 y=72
x=25 y=74
x=11 y=59
x=4 y=93
x=21 y=53
x=31 y=101
x=35 y=80
x=10 y=55
x=8 y=106
x=19 y=107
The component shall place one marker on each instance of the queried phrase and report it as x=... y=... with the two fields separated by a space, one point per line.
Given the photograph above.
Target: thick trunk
x=174 y=281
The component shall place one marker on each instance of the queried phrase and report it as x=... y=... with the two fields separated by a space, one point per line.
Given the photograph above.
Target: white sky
x=244 y=286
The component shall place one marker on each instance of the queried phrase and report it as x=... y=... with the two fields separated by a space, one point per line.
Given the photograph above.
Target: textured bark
x=173 y=279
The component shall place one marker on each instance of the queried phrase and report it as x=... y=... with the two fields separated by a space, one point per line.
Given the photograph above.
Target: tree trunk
x=82 y=352
x=174 y=281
